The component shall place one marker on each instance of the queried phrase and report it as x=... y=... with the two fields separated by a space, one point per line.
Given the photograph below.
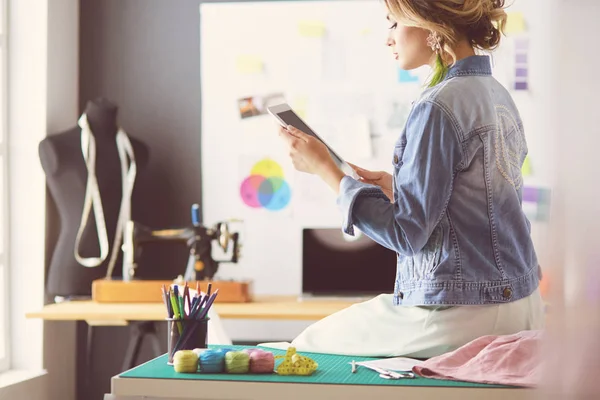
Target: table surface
x=263 y=307
x=333 y=379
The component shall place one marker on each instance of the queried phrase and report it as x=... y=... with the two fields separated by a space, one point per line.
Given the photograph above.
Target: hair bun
x=486 y=32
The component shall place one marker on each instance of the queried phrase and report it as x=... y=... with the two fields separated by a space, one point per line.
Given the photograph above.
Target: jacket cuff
x=350 y=191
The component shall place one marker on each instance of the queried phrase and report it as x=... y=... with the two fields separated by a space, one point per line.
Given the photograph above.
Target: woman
x=451 y=208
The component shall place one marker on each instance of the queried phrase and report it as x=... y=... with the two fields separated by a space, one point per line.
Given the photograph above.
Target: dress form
x=66 y=173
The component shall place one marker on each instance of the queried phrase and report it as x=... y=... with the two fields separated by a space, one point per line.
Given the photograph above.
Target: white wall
x=28 y=28
x=43 y=94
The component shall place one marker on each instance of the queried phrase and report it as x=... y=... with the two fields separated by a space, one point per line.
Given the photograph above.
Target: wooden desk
x=143 y=315
x=264 y=307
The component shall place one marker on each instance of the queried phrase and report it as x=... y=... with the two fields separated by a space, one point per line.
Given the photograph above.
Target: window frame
x=4 y=188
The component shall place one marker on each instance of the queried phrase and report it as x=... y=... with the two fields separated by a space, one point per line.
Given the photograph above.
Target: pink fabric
x=506 y=360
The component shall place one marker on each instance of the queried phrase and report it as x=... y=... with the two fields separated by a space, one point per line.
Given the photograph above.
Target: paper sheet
x=305 y=65
x=264 y=185
x=350 y=137
x=393 y=364
x=327 y=106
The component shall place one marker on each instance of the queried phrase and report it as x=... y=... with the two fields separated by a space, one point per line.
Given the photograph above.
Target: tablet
x=286 y=116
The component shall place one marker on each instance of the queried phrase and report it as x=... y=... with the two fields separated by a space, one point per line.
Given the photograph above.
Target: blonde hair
x=480 y=22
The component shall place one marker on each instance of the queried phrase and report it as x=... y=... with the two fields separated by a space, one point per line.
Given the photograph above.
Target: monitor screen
x=334 y=263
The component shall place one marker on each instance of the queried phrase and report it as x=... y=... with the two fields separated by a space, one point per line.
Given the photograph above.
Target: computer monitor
x=336 y=264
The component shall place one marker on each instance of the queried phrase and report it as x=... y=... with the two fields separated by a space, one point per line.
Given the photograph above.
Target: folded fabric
x=513 y=360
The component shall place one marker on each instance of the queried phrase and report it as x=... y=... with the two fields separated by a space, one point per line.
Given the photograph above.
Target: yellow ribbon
x=296 y=364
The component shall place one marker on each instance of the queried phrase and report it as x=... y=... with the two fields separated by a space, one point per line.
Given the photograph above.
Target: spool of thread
x=250 y=350
x=199 y=351
x=185 y=361
x=212 y=361
x=237 y=362
x=261 y=362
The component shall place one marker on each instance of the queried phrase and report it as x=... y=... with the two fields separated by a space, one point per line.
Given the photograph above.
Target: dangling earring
x=435 y=42
x=440 y=69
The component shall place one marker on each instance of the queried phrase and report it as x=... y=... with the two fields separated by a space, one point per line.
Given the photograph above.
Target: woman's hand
x=310 y=155
x=378 y=178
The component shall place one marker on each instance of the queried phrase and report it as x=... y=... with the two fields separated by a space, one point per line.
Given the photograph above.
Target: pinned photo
x=257 y=105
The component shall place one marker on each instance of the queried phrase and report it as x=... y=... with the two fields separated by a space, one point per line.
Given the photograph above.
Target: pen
x=175 y=310
x=208 y=304
x=186 y=298
x=163 y=294
x=181 y=305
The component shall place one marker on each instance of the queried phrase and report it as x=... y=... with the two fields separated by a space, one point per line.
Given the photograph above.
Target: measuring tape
x=93 y=199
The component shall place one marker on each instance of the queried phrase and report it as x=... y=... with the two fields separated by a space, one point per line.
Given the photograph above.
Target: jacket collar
x=473 y=65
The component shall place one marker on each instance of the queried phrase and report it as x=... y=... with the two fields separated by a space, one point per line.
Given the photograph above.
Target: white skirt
x=378 y=328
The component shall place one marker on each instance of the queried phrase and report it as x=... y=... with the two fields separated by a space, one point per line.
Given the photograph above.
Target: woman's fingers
x=298 y=133
x=366 y=174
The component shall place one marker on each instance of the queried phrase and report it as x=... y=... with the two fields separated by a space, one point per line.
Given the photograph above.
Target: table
x=160 y=389
x=264 y=307
x=332 y=380
x=141 y=316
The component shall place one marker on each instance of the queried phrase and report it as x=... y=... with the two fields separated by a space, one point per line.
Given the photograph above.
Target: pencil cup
x=186 y=334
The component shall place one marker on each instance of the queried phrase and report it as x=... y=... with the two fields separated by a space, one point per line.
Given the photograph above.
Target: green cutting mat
x=332 y=369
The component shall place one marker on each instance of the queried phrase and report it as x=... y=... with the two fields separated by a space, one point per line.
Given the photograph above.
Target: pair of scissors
x=385 y=374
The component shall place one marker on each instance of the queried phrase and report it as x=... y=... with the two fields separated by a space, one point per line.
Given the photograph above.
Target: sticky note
x=300 y=104
x=521 y=72
x=249 y=64
x=515 y=23
x=521 y=58
x=530 y=194
x=521 y=85
x=526 y=168
x=522 y=45
x=406 y=76
x=311 y=28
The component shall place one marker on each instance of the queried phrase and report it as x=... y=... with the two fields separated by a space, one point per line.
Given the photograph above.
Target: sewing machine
x=201 y=265
x=197 y=238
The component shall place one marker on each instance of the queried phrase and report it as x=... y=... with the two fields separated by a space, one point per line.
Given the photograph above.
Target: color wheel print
x=266 y=187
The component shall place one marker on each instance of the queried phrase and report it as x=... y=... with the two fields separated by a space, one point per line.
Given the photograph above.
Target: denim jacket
x=456 y=221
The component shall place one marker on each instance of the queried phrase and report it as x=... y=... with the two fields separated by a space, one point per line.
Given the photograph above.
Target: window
x=4 y=310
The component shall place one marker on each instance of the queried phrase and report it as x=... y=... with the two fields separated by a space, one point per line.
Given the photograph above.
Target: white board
x=328 y=59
